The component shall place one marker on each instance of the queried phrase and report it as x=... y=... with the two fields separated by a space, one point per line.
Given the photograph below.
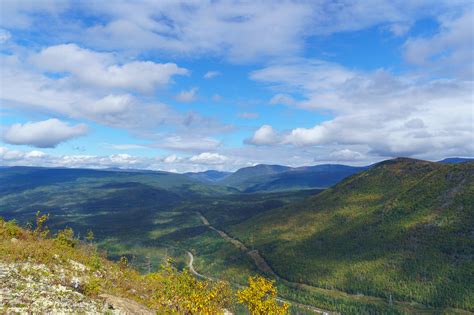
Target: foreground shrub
x=260 y=297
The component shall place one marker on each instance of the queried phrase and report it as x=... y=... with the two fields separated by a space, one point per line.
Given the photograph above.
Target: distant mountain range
x=455 y=160
x=209 y=176
x=267 y=178
x=278 y=178
x=258 y=178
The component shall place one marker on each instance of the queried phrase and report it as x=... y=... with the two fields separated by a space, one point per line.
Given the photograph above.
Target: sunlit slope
x=404 y=228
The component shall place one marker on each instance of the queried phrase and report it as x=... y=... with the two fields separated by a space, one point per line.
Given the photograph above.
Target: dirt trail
x=259 y=261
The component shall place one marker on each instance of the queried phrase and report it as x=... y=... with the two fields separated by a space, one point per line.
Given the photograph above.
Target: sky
x=195 y=85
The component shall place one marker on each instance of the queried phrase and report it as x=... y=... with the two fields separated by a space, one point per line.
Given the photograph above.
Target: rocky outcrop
x=125 y=305
x=27 y=288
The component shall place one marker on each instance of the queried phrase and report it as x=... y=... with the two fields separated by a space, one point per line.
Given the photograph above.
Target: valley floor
x=265 y=268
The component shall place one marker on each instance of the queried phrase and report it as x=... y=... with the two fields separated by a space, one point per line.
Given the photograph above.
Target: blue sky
x=196 y=85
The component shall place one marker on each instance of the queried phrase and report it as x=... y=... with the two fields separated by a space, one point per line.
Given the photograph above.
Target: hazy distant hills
x=278 y=178
x=209 y=176
x=258 y=178
x=403 y=228
x=456 y=160
x=320 y=176
x=268 y=178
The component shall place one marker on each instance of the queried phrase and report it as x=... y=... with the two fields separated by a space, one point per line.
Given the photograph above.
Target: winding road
x=263 y=266
x=191 y=267
x=260 y=262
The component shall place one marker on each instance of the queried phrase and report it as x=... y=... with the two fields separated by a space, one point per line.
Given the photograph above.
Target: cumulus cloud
x=211 y=74
x=173 y=158
x=43 y=134
x=264 y=135
x=345 y=155
x=171 y=162
x=389 y=114
x=209 y=158
x=23 y=88
x=11 y=155
x=187 y=96
x=102 y=69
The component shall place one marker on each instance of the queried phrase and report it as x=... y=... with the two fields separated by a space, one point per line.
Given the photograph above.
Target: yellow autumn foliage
x=260 y=297
x=166 y=291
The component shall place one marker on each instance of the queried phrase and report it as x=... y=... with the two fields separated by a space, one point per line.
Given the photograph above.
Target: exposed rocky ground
x=27 y=288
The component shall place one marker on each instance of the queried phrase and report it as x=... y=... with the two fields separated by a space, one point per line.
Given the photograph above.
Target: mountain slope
x=402 y=229
x=246 y=174
x=277 y=178
x=319 y=176
x=121 y=206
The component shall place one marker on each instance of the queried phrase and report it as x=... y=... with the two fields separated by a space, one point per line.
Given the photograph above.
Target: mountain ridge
x=396 y=223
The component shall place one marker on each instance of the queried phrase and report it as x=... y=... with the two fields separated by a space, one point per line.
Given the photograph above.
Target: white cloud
x=448 y=52
x=307 y=136
x=187 y=96
x=43 y=134
x=24 y=89
x=110 y=104
x=391 y=115
x=211 y=74
x=302 y=74
x=209 y=158
x=24 y=13
x=35 y=154
x=173 y=158
x=264 y=135
x=283 y=99
x=346 y=155
x=102 y=69
x=187 y=143
x=238 y=31
x=11 y=155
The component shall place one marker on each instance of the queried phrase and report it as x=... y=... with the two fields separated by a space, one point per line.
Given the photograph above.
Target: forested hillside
x=402 y=230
